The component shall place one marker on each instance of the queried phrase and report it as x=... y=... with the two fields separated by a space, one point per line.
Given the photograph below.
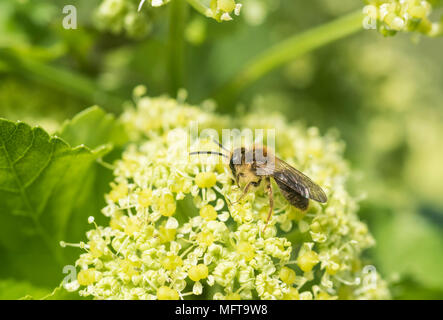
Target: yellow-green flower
x=122 y=16
x=174 y=232
x=392 y=16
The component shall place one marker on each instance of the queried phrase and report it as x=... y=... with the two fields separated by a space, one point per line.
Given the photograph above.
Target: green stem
x=200 y=7
x=286 y=51
x=177 y=21
x=58 y=78
x=296 y=236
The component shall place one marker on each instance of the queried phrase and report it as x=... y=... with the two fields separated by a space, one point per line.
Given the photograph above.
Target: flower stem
x=200 y=7
x=177 y=19
x=284 y=52
x=62 y=80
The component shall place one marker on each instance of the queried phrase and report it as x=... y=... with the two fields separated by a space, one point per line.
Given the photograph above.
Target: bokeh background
x=383 y=95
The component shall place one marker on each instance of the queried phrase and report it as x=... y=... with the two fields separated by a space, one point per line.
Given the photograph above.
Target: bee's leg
x=268 y=189
x=246 y=189
x=244 y=193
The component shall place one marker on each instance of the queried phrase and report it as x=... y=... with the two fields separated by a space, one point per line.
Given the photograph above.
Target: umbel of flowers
x=392 y=16
x=134 y=17
x=121 y=16
x=176 y=230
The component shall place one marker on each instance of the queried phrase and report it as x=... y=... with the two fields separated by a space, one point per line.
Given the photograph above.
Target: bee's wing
x=292 y=179
x=294 y=198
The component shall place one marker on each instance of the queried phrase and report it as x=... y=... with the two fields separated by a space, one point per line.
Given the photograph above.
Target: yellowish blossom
x=392 y=16
x=175 y=229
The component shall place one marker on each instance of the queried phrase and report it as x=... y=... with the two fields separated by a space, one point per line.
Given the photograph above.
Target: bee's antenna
x=220 y=145
x=208 y=152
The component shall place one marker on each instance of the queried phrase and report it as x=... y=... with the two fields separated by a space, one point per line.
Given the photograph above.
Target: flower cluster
x=177 y=228
x=392 y=16
x=134 y=17
x=222 y=10
x=123 y=16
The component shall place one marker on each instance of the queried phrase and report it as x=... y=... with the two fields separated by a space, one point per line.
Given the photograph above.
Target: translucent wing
x=294 y=198
x=292 y=179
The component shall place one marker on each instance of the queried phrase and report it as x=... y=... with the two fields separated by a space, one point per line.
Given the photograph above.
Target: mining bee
x=251 y=166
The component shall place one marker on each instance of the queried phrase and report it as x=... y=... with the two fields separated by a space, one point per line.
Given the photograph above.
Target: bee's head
x=237 y=160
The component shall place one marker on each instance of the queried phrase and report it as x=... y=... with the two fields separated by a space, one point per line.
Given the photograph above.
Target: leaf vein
x=31 y=181
x=9 y=138
x=27 y=149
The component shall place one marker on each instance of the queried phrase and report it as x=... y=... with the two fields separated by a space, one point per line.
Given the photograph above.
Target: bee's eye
x=241 y=174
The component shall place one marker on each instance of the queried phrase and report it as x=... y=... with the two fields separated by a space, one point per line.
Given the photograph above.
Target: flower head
x=134 y=17
x=392 y=16
x=126 y=16
x=222 y=10
x=174 y=230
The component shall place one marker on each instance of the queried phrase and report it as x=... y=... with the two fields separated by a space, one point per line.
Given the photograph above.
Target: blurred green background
x=384 y=96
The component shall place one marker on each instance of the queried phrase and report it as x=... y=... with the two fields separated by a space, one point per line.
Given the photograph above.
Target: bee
x=250 y=167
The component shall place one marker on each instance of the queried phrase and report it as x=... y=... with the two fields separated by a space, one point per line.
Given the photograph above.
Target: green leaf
x=41 y=179
x=409 y=289
x=12 y=289
x=61 y=293
x=409 y=246
x=93 y=127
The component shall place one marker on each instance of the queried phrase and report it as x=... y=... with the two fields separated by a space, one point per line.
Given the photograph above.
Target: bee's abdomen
x=293 y=197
